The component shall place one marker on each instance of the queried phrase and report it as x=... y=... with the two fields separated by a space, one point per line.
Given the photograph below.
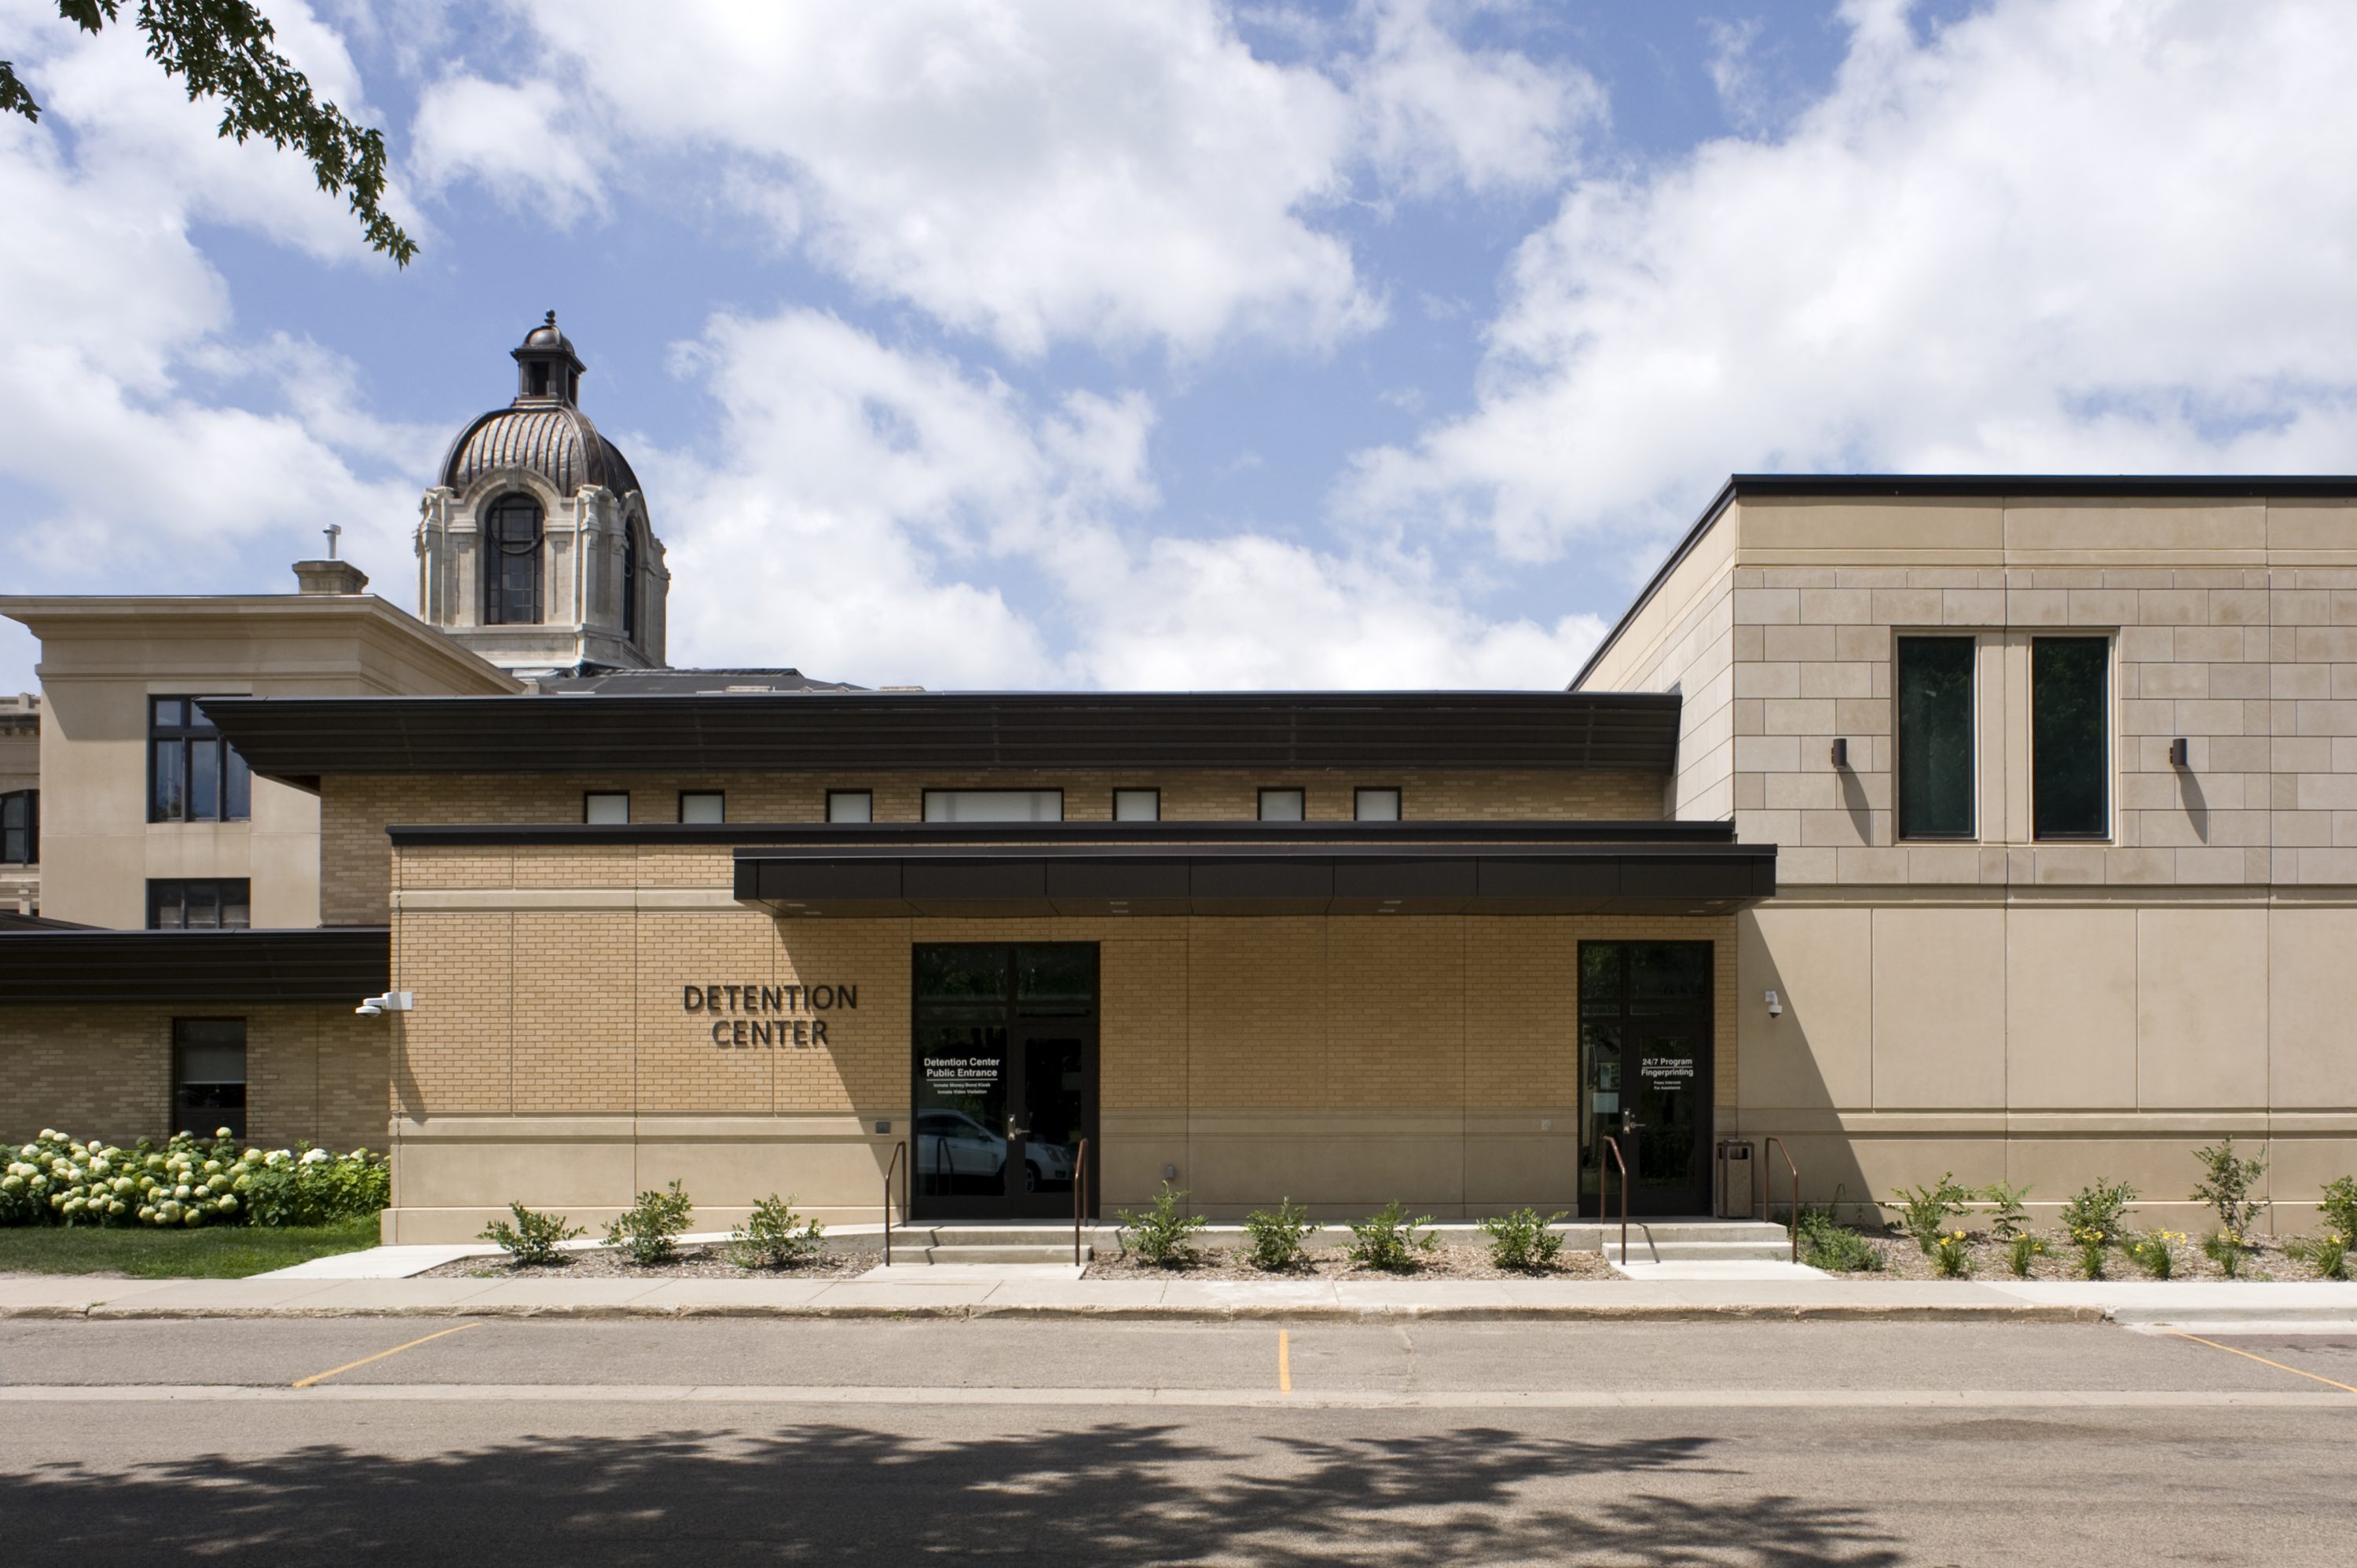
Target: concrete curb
x=1265 y=1312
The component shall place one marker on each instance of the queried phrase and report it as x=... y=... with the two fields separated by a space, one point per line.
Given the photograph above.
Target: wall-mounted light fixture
x=391 y=1001
x=2179 y=751
x=1841 y=751
x=1775 y=1007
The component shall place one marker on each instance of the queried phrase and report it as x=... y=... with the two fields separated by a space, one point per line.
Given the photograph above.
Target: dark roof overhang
x=200 y=969
x=299 y=739
x=1254 y=869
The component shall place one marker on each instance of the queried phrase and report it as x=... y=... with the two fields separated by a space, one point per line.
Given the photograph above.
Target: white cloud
x=1121 y=175
x=883 y=515
x=2083 y=236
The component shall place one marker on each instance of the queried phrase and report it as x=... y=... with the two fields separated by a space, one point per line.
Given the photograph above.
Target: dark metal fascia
x=1385 y=837
x=330 y=965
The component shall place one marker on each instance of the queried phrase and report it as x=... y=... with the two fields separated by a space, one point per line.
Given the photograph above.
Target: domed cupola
x=534 y=549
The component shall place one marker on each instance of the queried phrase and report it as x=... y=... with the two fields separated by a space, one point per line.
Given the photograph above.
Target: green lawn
x=227 y=1253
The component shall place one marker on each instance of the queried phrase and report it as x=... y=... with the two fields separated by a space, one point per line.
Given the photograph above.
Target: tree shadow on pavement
x=1107 y=1492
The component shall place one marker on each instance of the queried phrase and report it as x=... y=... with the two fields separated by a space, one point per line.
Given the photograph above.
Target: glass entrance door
x=1644 y=1049
x=1005 y=1067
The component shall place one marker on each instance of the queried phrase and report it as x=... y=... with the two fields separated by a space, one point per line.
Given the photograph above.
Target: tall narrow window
x=20 y=827
x=630 y=583
x=1936 y=737
x=209 y=1075
x=193 y=775
x=2069 y=737
x=511 y=562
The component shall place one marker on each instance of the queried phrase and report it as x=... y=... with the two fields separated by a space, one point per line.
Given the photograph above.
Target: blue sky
x=1188 y=345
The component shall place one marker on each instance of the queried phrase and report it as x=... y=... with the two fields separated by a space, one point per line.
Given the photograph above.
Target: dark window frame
x=173 y=744
x=1905 y=832
x=630 y=582
x=2106 y=711
x=1399 y=801
x=925 y=802
x=868 y=795
x=1152 y=790
x=233 y=1117
x=498 y=548
x=589 y=795
x=20 y=843
x=1260 y=807
x=684 y=795
x=177 y=892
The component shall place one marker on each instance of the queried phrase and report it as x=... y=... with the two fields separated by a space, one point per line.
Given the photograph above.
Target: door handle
x=1016 y=1129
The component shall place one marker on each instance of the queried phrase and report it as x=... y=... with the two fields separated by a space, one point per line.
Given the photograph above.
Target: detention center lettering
x=800 y=1033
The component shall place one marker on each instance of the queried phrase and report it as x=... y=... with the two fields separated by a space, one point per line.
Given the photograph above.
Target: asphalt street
x=702 y=1442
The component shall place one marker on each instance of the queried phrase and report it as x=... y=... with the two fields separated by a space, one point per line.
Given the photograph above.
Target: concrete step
x=986 y=1236
x=998 y=1254
x=1640 y=1251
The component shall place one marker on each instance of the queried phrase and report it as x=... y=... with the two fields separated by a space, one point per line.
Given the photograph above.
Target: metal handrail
x=1773 y=1142
x=899 y=1151
x=1080 y=1196
x=1613 y=1144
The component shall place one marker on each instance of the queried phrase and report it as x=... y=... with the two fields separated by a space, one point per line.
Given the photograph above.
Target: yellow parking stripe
x=1284 y=1363
x=334 y=1371
x=2263 y=1361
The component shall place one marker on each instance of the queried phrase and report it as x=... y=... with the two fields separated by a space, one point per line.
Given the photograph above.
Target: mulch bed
x=694 y=1262
x=1902 y=1260
x=1444 y=1262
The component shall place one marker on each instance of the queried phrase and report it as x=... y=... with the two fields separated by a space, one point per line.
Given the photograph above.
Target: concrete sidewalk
x=1052 y=1293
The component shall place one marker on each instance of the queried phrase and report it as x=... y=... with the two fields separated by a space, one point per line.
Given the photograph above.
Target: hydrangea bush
x=187 y=1181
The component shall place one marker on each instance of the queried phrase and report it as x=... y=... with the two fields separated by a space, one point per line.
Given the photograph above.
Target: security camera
x=369 y=1009
x=1775 y=1007
x=391 y=1001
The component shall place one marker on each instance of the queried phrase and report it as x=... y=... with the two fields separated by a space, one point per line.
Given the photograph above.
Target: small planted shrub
x=1163 y=1236
x=534 y=1240
x=1524 y=1241
x=2092 y=1247
x=2327 y=1254
x=2156 y=1254
x=186 y=1183
x=1835 y=1248
x=1924 y=1211
x=1276 y=1239
x=1390 y=1241
x=2022 y=1251
x=2227 y=1187
x=774 y=1237
x=2227 y=1249
x=648 y=1231
x=1951 y=1257
x=2098 y=1213
x=2007 y=1217
x=2338 y=1207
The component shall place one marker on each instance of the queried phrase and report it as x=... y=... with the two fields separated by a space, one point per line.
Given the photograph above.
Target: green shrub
x=774 y=1237
x=2227 y=1187
x=648 y=1231
x=2007 y=1217
x=185 y=1183
x=1165 y=1236
x=535 y=1239
x=1390 y=1241
x=1276 y=1238
x=1524 y=1241
x=2022 y=1251
x=2156 y=1254
x=2091 y=1258
x=2228 y=1249
x=2327 y=1254
x=1951 y=1255
x=2338 y=1207
x=2098 y=1213
x=1924 y=1211
x=1835 y=1248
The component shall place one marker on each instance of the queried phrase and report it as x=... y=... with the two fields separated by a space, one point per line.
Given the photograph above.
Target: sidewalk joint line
x=335 y=1371
x=2263 y=1361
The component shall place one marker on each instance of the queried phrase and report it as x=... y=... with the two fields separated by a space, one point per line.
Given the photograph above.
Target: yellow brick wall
x=312 y=1072
x=355 y=859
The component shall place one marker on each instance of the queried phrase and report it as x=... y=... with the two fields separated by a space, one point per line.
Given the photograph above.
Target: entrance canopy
x=937 y=869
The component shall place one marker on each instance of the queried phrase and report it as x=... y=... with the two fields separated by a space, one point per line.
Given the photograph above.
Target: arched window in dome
x=511 y=562
x=630 y=582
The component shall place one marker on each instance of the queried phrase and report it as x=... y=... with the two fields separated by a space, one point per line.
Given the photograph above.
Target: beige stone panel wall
x=1820 y=963
x=1939 y=1008
x=2202 y=999
x=454 y=1051
x=2071 y=1009
x=2311 y=1025
x=312 y=1072
x=1864 y=531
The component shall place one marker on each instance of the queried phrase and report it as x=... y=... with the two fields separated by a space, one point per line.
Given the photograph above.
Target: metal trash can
x=1735 y=1169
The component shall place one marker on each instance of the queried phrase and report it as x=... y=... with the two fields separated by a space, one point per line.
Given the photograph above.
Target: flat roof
x=302 y=739
x=1858 y=486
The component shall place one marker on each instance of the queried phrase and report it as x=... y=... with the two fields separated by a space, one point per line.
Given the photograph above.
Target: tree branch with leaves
x=221 y=49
